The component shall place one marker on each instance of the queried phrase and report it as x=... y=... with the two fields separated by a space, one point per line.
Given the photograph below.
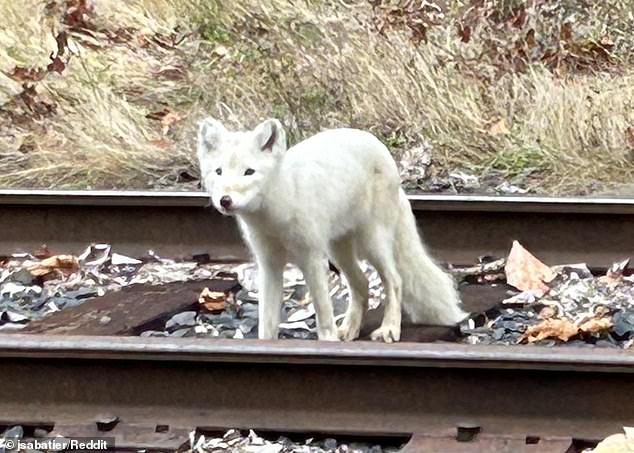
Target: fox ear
x=209 y=133
x=270 y=136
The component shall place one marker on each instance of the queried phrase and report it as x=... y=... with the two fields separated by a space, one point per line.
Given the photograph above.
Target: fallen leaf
x=171 y=72
x=499 y=127
x=213 y=301
x=525 y=272
x=66 y=264
x=56 y=65
x=530 y=38
x=596 y=325
x=42 y=252
x=519 y=19
x=26 y=74
x=629 y=137
x=167 y=117
x=142 y=40
x=29 y=96
x=562 y=328
x=158 y=115
x=464 y=31
x=565 y=34
x=614 y=275
x=62 y=42
x=162 y=143
x=77 y=14
x=168 y=121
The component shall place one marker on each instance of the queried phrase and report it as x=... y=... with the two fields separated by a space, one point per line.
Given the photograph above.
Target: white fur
x=334 y=196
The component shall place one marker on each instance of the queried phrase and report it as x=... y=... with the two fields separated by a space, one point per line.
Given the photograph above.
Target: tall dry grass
x=126 y=104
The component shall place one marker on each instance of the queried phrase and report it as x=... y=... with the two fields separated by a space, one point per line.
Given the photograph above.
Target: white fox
x=334 y=196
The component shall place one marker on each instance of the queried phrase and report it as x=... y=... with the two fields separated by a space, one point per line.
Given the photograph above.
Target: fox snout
x=226 y=202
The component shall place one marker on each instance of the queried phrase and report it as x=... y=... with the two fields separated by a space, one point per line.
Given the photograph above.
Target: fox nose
x=226 y=201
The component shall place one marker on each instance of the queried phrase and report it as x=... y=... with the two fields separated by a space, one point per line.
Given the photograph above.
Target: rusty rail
x=458 y=228
x=308 y=386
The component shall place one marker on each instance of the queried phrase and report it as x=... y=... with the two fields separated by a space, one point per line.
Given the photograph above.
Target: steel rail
x=457 y=228
x=317 y=352
x=309 y=386
x=487 y=203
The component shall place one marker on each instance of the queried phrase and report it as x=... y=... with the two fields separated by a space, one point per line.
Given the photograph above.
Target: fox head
x=236 y=165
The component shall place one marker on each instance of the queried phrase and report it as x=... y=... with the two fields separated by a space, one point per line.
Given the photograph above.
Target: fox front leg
x=315 y=272
x=270 y=303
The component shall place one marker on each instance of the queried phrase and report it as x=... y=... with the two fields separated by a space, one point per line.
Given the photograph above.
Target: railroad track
x=457 y=228
x=431 y=391
x=436 y=397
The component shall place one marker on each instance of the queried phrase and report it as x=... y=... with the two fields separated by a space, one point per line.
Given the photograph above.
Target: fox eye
x=249 y=172
x=218 y=171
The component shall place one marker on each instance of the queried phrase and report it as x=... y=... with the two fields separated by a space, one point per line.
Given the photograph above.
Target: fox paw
x=387 y=334
x=349 y=329
x=327 y=334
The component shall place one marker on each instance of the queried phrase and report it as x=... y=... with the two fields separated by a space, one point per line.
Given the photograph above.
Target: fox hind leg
x=383 y=259
x=343 y=254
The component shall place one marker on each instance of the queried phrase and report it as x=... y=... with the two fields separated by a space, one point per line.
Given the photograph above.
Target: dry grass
x=313 y=64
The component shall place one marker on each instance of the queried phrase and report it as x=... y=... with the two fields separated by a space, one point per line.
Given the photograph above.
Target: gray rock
x=330 y=444
x=249 y=310
x=498 y=333
x=181 y=333
x=247 y=325
x=184 y=319
x=14 y=432
x=623 y=325
x=22 y=276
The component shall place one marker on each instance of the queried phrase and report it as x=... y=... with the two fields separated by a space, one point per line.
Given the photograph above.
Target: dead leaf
x=614 y=275
x=525 y=272
x=530 y=38
x=56 y=65
x=167 y=117
x=42 y=252
x=464 y=31
x=629 y=137
x=26 y=74
x=562 y=328
x=213 y=301
x=158 y=115
x=28 y=96
x=162 y=143
x=596 y=325
x=77 y=14
x=565 y=34
x=519 y=18
x=64 y=264
x=62 y=42
x=142 y=40
x=499 y=127
x=168 y=121
x=170 y=72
